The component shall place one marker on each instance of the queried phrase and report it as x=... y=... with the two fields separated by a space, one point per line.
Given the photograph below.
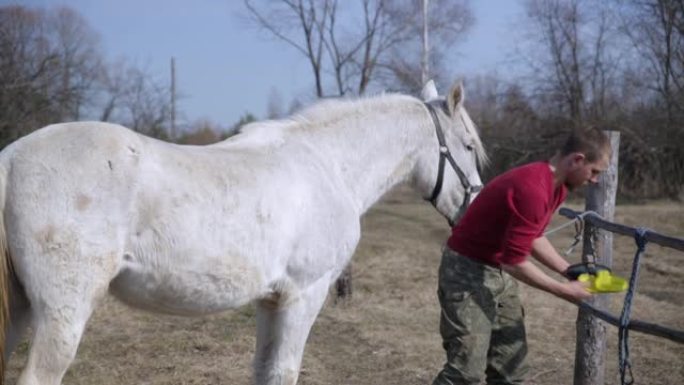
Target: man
x=482 y=319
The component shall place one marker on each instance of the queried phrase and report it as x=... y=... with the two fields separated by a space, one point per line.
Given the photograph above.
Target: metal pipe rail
x=598 y=221
x=651 y=236
x=638 y=326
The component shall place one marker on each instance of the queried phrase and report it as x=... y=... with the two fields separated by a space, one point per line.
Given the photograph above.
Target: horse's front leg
x=283 y=326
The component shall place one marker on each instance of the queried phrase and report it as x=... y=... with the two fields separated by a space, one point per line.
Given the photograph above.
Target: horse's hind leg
x=58 y=328
x=55 y=340
x=62 y=298
x=20 y=313
x=282 y=330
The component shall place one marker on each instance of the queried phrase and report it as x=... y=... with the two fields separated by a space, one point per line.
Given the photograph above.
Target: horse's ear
x=456 y=97
x=429 y=91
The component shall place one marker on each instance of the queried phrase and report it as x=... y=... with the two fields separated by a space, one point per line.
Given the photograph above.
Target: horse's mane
x=326 y=110
x=480 y=152
x=315 y=116
x=335 y=109
x=274 y=132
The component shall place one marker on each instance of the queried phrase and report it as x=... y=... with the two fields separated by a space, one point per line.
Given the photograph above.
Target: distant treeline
x=611 y=63
x=651 y=158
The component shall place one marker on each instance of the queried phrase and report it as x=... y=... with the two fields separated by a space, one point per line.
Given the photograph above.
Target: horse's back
x=67 y=147
x=84 y=161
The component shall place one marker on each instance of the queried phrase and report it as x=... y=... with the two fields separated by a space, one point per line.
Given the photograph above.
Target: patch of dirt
x=388 y=333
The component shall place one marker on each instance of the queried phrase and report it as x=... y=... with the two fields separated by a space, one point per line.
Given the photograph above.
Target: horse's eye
x=469 y=147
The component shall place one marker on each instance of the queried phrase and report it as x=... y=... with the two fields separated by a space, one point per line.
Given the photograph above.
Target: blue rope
x=626 y=376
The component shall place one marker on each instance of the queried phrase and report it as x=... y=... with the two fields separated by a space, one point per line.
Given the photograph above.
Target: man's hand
x=575 y=291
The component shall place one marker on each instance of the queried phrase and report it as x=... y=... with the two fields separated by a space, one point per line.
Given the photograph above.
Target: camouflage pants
x=481 y=323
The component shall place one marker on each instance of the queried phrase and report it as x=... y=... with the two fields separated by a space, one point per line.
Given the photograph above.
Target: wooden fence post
x=590 y=349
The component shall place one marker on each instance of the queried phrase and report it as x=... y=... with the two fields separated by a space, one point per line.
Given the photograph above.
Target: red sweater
x=510 y=212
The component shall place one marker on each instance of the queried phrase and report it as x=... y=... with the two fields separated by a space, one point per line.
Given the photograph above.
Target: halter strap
x=444 y=155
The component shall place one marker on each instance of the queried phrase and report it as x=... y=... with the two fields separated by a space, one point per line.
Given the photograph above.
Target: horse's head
x=447 y=172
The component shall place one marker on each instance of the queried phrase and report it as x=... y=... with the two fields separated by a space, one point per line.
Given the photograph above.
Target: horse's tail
x=5 y=276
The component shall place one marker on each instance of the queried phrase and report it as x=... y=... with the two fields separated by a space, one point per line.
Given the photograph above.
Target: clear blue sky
x=224 y=67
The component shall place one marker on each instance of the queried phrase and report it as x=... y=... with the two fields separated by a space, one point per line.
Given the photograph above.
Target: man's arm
x=572 y=291
x=544 y=252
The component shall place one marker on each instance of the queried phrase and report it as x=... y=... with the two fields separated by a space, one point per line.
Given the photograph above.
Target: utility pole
x=173 y=98
x=425 y=62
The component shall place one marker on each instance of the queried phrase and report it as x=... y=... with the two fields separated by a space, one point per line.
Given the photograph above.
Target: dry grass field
x=388 y=332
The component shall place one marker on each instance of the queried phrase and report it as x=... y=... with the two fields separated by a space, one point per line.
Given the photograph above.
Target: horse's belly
x=184 y=289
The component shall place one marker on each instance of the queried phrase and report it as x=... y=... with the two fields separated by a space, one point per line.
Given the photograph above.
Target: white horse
x=270 y=215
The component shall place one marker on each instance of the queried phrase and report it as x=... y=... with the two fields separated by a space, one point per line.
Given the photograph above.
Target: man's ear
x=578 y=158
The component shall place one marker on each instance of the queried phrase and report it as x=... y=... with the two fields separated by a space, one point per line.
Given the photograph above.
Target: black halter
x=445 y=154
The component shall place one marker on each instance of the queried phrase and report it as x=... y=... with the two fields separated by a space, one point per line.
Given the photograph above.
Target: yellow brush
x=604 y=282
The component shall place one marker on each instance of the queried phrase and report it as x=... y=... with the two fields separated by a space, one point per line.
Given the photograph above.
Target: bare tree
x=363 y=41
x=112 y=85
x=351 y=55
x=48 y=62
x=80 y=60
x=447 y=22
x=131 y=96
x=656 y=30
x=144 y=105
x=52 y=70
x=579 y=60
x=286 y=18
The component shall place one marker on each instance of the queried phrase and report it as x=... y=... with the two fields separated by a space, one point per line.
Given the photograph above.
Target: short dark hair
x=590 y=141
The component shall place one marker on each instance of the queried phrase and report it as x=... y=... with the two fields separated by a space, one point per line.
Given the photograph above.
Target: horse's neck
x=373 y=154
